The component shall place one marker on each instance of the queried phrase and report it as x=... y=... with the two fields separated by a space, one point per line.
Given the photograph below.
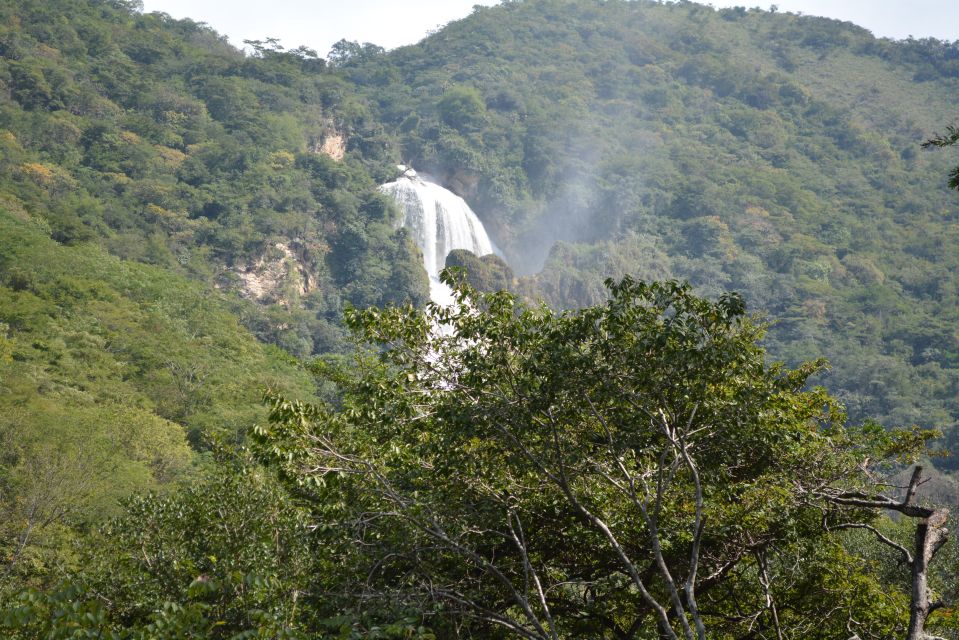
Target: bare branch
x=861 y=525
x=520 y=540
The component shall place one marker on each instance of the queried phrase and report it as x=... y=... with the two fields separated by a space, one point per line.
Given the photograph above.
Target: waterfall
x=439 y=221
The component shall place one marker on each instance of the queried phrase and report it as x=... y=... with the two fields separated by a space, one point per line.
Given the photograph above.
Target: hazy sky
x=392 y=23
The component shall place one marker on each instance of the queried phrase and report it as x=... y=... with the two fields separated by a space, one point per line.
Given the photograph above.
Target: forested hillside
x=772 y=154
x=183 y=226
x=172 y=232
x=161 y=143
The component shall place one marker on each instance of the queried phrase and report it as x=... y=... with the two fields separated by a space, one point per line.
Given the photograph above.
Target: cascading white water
x=439 y=221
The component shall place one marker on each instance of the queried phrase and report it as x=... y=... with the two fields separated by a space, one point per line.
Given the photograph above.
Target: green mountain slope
x=149 y=173
x=163 y=144
x=769 y=153
x=171 y=205
x=180 y=223
x=108 y=370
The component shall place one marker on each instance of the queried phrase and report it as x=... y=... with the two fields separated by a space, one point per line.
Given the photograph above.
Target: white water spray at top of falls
x=439 y=221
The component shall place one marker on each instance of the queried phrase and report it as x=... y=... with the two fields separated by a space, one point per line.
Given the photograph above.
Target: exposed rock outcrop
x=331 y=143
x=463 y=183
x=278 y=276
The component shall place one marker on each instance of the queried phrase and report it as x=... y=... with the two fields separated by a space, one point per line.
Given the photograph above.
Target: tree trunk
x=930 y=536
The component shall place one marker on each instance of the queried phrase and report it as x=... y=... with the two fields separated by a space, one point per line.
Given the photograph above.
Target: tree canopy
x=629 y=466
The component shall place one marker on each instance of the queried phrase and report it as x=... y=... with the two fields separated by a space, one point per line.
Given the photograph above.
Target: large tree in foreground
x=631 y=470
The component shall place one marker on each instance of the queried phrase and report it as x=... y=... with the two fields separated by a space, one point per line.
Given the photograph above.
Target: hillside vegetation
x=161 y=143
x=146 y=169
x=184 y=226
x=773 y=154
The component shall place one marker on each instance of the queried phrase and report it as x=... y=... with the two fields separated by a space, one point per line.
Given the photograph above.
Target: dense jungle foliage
x=183 y=225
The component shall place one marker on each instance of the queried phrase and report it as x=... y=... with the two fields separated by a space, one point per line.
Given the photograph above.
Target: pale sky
x=393 y=23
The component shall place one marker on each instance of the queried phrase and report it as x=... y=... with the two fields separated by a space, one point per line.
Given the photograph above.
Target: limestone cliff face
x=331 y=143
x=279 y=276
x=334 y=145
x=463 y=183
